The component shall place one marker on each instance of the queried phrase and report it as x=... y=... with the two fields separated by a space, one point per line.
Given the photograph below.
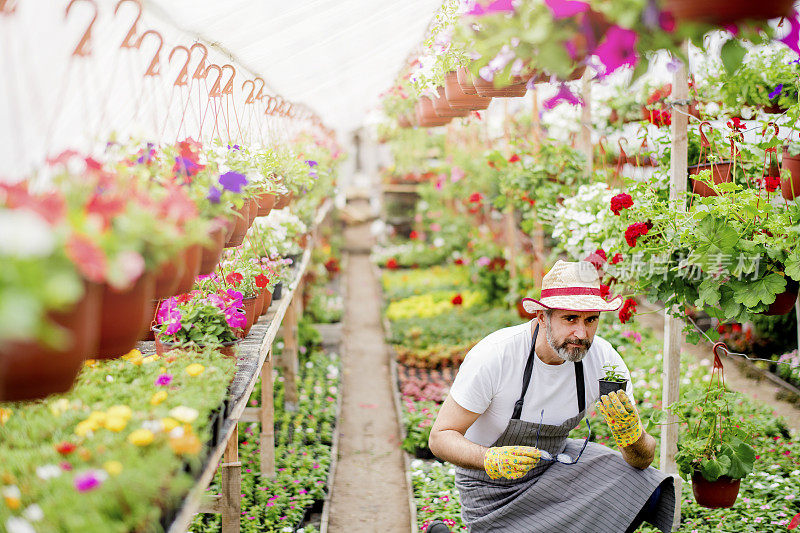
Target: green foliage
x=449 y=328
x=418 y=418
x=398 y=284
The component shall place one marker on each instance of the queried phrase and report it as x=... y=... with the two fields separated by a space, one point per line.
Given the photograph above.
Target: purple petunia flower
x=311 y=163
x=233 y=181
x=185 y=166
x=618 y=49
x=163 y=380
x=87 y=481
x=776 y=92
x=566 y=8
x=175 y=324
x=498 y=6
x=214 y=195
x=235 y=318
x=564 y=94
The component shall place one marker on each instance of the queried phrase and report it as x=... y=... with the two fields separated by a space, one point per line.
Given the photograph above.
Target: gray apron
x=601 y=493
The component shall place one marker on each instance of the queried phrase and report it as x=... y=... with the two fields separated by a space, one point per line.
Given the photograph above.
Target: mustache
x=582 y=342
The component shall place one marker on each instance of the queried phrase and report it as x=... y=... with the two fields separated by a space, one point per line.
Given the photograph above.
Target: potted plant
x=199 y=319
x=713 y=450
x=612 y=380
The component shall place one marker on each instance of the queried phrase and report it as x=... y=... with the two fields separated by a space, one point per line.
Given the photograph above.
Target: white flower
x=46 y=472
x=25 y=234
x=19 y=525
x=184 y=414
x=11 y=492
x=33 y=513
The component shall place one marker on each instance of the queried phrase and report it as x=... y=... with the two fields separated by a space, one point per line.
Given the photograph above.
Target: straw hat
x=574 y=286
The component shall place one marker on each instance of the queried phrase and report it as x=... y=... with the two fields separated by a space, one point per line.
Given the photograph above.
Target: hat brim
x=572 y=303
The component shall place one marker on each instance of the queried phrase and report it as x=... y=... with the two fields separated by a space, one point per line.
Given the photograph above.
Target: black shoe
x=437 y=526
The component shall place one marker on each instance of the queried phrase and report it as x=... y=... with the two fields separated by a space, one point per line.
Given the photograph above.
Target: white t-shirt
x=489 y=382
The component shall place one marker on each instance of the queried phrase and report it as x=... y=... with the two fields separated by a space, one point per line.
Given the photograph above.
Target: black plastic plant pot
x=610 y=386
x=277 y=291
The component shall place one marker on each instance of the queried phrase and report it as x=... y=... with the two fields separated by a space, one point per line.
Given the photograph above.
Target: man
x=516 y=397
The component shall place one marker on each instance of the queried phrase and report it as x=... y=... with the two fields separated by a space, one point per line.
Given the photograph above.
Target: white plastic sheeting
x=335 y=56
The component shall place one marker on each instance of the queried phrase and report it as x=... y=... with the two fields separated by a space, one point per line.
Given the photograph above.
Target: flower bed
x=303 y=441
x=110 y=455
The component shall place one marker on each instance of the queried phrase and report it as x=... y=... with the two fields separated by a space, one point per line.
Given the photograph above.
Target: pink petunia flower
x=564 y=94
x=617 y=50
x=566 y=8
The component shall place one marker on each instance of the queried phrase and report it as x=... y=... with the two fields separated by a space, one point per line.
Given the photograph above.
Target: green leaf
x=714 y=467
x=732 y=54
x=709 y=293
x=741 y=460
x=793 y=265
x=752 y=293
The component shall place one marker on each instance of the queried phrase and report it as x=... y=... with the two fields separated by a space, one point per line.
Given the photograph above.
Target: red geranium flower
x=605 y=290
x=392 y=263
x=627 y=310
x=414 y=235
x=616 y=259
x=65 y=447
x=457 y=300
x=183 y=298
x=332 y=265
x=234 y=278
x=459 y=261
x=634 y=231
x=513 y=159
x=771 y=183
x=475 y=198
x=620 y=202
x=87 y=256
x=596 y=259
x=261 y=281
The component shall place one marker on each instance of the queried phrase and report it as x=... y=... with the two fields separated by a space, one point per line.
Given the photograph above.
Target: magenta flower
x=564 y=94
x=236 y=296
x=618 y=49
x=233 y=181
x=497 y=6
x=163 y=380
x=566 y=8
x=235 y=317
x=87 y=481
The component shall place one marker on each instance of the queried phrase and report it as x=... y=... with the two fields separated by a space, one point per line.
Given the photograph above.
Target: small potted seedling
x=612 y=380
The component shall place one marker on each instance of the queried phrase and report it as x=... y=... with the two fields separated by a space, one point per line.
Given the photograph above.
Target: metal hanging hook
x=128 y=42
x=84 y=45
x=183 y=75
x=153 y=67
x=201 y=71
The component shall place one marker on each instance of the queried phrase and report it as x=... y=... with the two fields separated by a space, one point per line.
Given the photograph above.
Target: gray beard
x=572 y=355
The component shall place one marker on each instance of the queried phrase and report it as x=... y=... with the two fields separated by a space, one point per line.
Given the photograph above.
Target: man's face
x=570 y=333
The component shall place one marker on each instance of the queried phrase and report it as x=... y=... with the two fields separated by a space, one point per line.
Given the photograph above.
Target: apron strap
x=526 y=377
x=580 y=385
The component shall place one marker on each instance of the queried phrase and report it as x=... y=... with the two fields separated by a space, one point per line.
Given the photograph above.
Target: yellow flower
x=195 y=369
x=116 y=423
x=150 y=359
x=12 y=497
x=90 y=362
x=188 y=443
x=169 y=424
x=98 y=417
x=162 y=370
x=141 y=437
x=187 y=415
x=113 y=467
x=59 y=406
x=158 y=397
x=121 y=411
x=5 y=414
x=133 y=354
x=85 y=427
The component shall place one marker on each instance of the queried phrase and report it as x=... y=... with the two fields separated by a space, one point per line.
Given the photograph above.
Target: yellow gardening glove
x=510 y=462
x=621 y=416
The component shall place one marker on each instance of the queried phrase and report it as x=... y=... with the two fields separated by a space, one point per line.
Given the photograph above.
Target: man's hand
x=510 y=462
x=622 y=417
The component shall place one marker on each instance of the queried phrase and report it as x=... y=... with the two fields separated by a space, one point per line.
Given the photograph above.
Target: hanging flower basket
x=252 y=211
x=241 y=221
x=720 y=172
x=193 y=256
x=284 y=200
x=126 y=315
x=168 y=276
x=443 y=109
x=31 y=370
x=266 y=201
x=724 y=12
x=487 y=88
x=213 y=252
x=784 y=302
x=458 y=99
x=790 y=186
x=426 y=114
x=250 y=312
x=266 y=303
x=464 y=79
x=717 y=494
x=226 y=348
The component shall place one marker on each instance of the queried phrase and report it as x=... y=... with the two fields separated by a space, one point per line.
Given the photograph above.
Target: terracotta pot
x=250 y=312
x=226 y=348
x=303 y=240
x=258 y=307
x=126 y=315
x=443 y=109
x=426 y=114
x=784 y=302
x=230 y=225
x=242 y=219
x=720 y=173
x=284 y=200
x=724 y=12
x=252 y=211
x=267 y=302
x=169 y=275
x=405 y=121
x=487 y=88
x=465 y=82
x=193 y=256
x=211 y=253
x=29 y=370
x=790 y=187
x=715 y=494
x=266 y=201
x=458 y=99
